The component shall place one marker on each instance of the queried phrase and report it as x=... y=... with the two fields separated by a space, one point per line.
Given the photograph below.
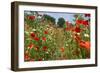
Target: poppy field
x=50 y=36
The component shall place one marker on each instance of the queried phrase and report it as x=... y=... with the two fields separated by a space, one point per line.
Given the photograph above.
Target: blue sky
x=56 y=15
x=67 y=16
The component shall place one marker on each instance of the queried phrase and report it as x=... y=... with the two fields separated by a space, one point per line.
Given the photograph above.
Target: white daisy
x=86 y=35
x=33 y=29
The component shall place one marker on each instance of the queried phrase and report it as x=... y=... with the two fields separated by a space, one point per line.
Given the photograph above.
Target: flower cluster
x=46 y=41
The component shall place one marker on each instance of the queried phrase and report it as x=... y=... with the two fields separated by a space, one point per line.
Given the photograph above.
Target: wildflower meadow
x=56 y=36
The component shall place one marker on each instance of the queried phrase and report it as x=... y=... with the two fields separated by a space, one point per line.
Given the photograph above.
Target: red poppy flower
x=77 y=29
x=44 y=48
x=45 y=32
x=62 y=49
x=85 y=22
x=30 y=46
x=78 y=22
x=86 y=45
x=87 y=15
x=26 y=57
x=32 y=34
x=36 y=39
x=44 y=38
x=40 y=59
x=31 y=17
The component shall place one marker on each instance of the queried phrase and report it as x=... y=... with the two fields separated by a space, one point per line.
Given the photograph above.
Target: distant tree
x=49 y=18
x=61 y=22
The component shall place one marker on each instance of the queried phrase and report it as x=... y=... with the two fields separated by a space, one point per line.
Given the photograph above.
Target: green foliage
x=61 y=22
x=60 y=44
x=49 y=18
